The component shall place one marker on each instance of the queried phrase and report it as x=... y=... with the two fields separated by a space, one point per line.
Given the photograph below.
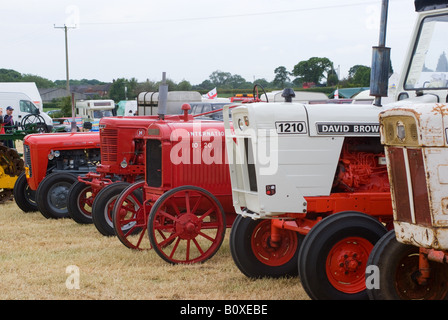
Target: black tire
x=258 y=264
x=397 y=264
x=104 y=201
x=75 y=211
x=319 y=245
x=52 y=194
x=24 y=196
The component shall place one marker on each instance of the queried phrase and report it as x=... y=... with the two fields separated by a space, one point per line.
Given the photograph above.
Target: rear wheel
x=398 y=266
x=254 y=253
x=186 y=225
x=333 y=256
x=52 y=194
x=80 y=200
x=103 y=205
x=24 y=196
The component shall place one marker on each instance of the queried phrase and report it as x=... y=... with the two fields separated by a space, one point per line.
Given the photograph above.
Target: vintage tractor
x=91 y=198
x=411 y=261
x=187 y=203
x=52 y=163
x=310 y=188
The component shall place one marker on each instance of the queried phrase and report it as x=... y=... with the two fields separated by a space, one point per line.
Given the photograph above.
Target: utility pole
x=66 y=55
x=72 y=96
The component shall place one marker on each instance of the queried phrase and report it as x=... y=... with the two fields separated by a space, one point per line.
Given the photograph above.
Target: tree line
x=316 y=71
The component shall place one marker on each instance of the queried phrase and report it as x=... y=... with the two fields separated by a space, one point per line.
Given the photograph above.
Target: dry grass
x=35 y=252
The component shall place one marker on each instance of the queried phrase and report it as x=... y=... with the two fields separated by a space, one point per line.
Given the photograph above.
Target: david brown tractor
x=411 y=261
x=52 y=163
x=310 y=188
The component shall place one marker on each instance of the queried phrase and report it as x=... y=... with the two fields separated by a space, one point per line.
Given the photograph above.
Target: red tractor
x=122 y=163
x=52 y=163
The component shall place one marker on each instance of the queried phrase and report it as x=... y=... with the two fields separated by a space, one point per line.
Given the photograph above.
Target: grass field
x=35 y=253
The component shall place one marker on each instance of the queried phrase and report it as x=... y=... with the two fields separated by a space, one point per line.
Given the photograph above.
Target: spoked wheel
x=333 y=256
x=80 y=201
x=186 y=225
x=129 y=217
x=52 y=195
x=254 y=253
x=34 y=122
x=398 y=268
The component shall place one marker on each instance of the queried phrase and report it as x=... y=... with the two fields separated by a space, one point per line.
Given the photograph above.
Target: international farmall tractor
x=52 y=163
x=310 y=188
x=186 y=199
x=410 y=262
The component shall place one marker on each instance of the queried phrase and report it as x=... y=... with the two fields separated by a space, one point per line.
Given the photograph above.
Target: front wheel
x=79 y=204
x=334 y=254
x=186 y=225
x=398 y=266
x=24 y=196
x=103 y=205
x=254 y=253
x=52 y=194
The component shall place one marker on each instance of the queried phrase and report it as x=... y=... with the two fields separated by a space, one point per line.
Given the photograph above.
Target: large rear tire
x=334 y=254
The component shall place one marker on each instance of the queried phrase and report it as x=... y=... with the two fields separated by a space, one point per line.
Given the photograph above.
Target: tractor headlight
x=401 y=131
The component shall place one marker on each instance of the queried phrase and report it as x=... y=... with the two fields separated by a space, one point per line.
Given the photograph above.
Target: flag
x=212 y=94
x=336 y=94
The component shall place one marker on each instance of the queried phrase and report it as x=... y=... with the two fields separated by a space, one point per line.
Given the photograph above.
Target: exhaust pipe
x=379 y=75
x=163 y=97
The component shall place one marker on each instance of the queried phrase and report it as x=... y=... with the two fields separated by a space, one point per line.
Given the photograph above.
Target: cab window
x=28 y=107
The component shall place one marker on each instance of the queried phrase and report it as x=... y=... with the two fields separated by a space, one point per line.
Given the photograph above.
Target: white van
x=23 y=105
x=127 y=108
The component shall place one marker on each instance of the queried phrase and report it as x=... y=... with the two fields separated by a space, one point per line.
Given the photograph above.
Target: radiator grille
x=109 y=145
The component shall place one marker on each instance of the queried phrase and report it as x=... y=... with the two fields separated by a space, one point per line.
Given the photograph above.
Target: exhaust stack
x=163 y=97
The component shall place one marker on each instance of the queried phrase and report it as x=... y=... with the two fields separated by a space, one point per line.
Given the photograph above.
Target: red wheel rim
x=408 y=288
x=346 y=264
x=269 y=254
x=130 y=220
x=188 y=227
x=85 y=201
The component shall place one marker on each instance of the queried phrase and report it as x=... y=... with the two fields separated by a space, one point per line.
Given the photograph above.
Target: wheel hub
x=58 y=197
x=188 y=226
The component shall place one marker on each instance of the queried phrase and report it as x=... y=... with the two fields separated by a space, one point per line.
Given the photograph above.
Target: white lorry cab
x=91 y=111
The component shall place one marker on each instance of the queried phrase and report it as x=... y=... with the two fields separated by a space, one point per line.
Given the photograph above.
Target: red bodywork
x=191 y=153
x=37 y=147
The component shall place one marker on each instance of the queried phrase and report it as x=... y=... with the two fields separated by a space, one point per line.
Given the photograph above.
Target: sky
x=191 y=39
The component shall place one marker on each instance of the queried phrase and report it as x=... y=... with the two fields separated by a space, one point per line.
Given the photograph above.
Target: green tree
x=313 y=69
x=359 y=76
x=281 y=77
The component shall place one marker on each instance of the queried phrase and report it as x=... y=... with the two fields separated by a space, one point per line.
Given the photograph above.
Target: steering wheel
x=34 y=122
x=255 y=93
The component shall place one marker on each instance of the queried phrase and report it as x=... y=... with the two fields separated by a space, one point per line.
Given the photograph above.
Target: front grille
x=27 y=158
x=248 y=149
x=410 y=190
x=109 y=145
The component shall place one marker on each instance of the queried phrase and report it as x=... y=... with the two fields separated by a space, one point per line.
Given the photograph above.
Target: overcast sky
x=191 y=39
